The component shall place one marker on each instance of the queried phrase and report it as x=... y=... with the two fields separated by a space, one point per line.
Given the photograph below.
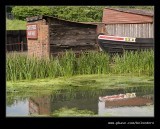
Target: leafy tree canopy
x=72 y=13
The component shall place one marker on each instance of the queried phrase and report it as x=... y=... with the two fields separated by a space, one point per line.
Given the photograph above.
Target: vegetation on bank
x=71 y=13
x=21 y=67
x=15 y=24
x=102 y=81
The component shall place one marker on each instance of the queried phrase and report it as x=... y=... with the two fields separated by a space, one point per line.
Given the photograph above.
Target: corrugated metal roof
x=134 y=11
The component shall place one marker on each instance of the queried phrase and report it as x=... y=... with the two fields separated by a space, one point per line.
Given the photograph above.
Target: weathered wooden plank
x=72 y=35
x=72 y=43
x=131 y=30
x=66 y=35
x=61 y=29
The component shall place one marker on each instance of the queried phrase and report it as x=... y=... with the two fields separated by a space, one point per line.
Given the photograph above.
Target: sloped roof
x=35 y=18
x=94 y=23
x=134 y=11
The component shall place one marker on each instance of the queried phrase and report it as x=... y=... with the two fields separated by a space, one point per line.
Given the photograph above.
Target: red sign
x=32 y=31
x=116 y=38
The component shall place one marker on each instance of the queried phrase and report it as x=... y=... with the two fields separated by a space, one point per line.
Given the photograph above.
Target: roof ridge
x=134 y=11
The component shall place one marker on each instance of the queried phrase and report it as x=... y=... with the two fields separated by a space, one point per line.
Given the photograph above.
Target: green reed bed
x=19 y=66
x=93 y=63
x=140 y=62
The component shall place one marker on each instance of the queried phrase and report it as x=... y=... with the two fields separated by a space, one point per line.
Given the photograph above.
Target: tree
x=21 y=12
x=72 y=13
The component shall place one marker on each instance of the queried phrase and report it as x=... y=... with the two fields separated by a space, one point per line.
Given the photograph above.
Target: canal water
x=84 y=99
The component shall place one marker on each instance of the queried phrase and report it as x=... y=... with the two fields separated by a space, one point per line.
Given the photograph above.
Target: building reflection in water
x=82 y=100
x=125 y=106
x=39 y=105
x=45 y=105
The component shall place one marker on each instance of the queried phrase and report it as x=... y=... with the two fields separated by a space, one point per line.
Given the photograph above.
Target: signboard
x=117 y=38
x=32 y=31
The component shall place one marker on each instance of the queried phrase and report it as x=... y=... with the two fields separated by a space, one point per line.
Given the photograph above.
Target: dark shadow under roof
x=134 y=11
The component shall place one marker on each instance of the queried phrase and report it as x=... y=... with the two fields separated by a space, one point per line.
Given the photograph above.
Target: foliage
x=72 y=13
x=79 y=13
x=21 y=67
x=135 y=62
x=15 y=24
x=21 y=12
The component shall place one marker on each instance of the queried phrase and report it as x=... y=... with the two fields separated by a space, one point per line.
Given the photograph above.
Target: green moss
x=92 y=81
x=72 y=112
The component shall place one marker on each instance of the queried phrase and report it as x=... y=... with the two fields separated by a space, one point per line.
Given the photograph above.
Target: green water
x=74 y=102
x=77 y=96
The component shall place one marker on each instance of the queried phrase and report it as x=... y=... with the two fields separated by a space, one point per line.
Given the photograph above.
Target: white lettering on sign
x=31 y=27
x=31 y=33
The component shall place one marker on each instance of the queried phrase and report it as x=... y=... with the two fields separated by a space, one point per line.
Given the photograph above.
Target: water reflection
x=45 y=105
x=138 y=106
x=19 y=108
x=84 y=100
x=40 y=105
x=135 y=111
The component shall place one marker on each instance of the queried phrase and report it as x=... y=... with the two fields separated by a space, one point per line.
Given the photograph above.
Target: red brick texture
x=112 y=17
x=39 y=47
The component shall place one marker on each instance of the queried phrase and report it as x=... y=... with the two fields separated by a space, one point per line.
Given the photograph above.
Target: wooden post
x=21 y=46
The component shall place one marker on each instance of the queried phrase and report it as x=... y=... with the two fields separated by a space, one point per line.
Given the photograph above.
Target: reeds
x=19 y=66
x=140 y=62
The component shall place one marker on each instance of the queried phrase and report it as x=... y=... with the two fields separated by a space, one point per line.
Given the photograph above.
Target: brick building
x=48 y=36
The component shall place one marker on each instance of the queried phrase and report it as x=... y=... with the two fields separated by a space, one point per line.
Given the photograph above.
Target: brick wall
x=39 y=47
x=113 y=16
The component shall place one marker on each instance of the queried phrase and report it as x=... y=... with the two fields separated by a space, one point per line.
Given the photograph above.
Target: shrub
x=21 y=12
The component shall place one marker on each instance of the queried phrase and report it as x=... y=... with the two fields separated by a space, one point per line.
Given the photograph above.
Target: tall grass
x=140 y=62
x=93 y=63
x=19 y=66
